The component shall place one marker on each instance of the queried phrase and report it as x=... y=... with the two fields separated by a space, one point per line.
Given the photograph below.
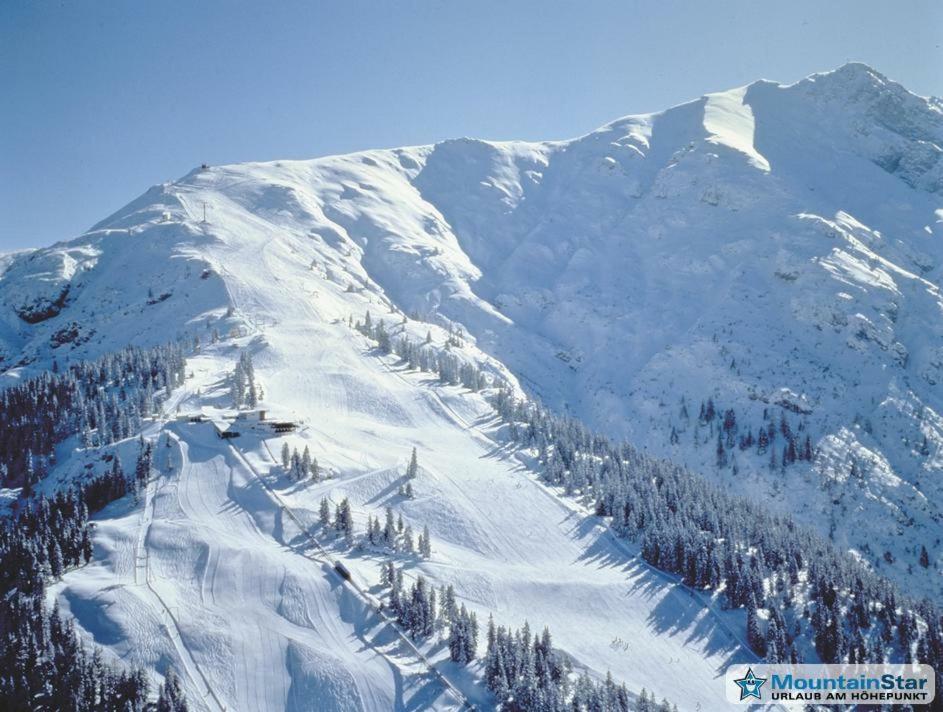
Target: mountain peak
x=859 y=92
x=856 y=71
x=773 y=251
x=854 y=79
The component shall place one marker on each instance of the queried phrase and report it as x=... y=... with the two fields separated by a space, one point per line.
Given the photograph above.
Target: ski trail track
x=264 y=620
x=510 y=547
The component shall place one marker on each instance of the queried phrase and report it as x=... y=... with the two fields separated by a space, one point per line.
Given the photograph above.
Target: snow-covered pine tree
x=389 y=529
x=171 y=697
x=412 y=469
x=286 y=456
x=425 y=545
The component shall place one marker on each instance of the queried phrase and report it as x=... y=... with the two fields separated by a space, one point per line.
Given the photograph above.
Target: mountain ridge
x=614 y=274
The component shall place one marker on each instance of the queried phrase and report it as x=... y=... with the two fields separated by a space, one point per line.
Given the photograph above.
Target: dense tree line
x=48 y=537
x=170 y=697
x=424 y=356
x=793 y=584
x=791 y=581
x=45 y=667
x=526 y=674
x=103 y=400
x=42 y=662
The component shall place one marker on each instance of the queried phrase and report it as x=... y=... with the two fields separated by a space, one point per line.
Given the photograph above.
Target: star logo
x=750 y=685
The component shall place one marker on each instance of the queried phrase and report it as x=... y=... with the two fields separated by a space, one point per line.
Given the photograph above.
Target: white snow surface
x=771 y=246
x=208 y=573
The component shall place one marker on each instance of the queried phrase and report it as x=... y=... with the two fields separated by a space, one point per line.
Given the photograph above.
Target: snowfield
x=210 y=574
x=776 y=249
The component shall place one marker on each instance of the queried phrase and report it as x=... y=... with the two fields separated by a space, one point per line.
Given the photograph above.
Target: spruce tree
x=413 y=468
x=286 y=456
x=425 y=545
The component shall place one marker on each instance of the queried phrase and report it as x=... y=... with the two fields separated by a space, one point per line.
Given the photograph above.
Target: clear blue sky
x=99 y=100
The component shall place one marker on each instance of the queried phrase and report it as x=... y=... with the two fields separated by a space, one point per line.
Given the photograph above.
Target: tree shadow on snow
x=602 y=551
x=389 y=490
x=678 y=611
x=681 y=612
x=503 y=452
x=378 y=635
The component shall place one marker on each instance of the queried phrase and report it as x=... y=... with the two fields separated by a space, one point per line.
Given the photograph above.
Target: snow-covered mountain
x=774 y=251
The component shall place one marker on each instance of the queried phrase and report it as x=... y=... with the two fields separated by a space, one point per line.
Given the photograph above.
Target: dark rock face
x=42 y=309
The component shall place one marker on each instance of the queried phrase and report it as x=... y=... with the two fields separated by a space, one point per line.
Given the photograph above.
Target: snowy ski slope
x=771 y=247
x=209 y=573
